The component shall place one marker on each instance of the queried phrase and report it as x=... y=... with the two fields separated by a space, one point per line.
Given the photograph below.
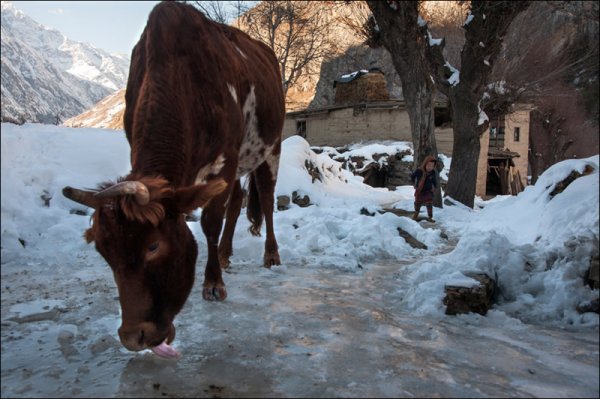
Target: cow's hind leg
x=212 y=222
x=262 y=185
x=234 y=206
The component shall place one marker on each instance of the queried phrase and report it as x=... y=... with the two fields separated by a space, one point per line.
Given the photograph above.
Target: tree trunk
x=462 y=179
x=402 y=36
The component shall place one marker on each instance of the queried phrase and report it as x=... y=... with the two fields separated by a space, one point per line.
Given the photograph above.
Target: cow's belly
x=252 y=153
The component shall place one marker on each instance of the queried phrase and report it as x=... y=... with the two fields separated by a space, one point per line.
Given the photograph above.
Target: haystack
x=366 y=87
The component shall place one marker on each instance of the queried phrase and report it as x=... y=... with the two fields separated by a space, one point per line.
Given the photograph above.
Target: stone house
x=504 y=157
x=363 y=111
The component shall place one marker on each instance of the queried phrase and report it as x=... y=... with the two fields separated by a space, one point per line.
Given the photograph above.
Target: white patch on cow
x=253 y=151
x=273 y=163
x=210 y=169
x=233 y=93
x=240 y=51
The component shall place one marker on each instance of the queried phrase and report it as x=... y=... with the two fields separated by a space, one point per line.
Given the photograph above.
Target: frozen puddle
x=294 y=331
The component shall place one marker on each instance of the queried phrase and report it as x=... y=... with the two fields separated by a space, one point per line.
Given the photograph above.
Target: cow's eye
x=153 y=247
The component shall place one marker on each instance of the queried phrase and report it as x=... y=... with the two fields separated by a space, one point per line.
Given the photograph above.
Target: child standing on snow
x=425 y=182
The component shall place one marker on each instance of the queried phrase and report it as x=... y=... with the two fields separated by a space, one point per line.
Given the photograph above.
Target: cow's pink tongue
x=166 y=351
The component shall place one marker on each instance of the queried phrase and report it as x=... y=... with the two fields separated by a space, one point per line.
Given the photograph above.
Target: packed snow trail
x=293 y=331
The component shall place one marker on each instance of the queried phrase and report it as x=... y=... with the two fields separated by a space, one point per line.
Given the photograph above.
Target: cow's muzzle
x=145 y=335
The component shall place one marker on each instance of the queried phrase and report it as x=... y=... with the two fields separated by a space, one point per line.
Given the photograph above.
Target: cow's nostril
x=132 y=339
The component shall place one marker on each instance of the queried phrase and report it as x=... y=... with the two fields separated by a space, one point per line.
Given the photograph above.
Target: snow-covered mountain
x=48 y=78
x=107 y=113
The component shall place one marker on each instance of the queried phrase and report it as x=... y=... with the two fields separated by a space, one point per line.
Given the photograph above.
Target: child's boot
x=416 y=214
x=430 y=217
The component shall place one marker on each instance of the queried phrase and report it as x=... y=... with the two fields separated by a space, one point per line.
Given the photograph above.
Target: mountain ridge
x=46 y=77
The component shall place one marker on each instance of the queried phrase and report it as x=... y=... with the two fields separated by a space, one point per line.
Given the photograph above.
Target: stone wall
x=518 y=119
x=339 y=126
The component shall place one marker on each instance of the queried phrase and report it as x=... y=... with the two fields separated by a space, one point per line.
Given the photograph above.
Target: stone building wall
x=339 y=126
x=518 y=119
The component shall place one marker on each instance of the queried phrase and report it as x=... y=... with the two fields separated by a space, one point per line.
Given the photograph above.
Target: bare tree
x=361 y=22
x=484 y=31
x=223 y=12
x=404 y=34
x=445 y=19
x=298 y=33
x=555 y=69
x=560 y=130
x=215 y=10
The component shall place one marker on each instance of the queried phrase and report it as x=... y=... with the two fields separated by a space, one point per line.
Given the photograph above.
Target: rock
x=593 y=274
x=398 y=212
x=410 y=240
x=303 y=201
x=365 y=211
x=46 y=197
x=561 y=186
x=589 y=306
x=476 y=299
x=283 y=202
x=313 y=171
x=385 y=170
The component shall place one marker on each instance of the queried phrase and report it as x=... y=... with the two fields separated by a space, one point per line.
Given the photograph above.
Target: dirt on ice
x=293 y=331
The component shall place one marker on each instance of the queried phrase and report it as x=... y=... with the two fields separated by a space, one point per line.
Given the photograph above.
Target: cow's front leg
x=211 y=222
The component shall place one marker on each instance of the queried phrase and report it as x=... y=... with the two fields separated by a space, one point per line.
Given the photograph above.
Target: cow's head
x=139 y=228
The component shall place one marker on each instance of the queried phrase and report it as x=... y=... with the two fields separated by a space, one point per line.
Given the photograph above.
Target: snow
x=38 y=159
x=454 y=79
x=353 y=74
x=46 y=76
x=368 y=150
x=339 y=187
x=351 y=291
x=482 y=115
x=469 y=19
x=432 y=41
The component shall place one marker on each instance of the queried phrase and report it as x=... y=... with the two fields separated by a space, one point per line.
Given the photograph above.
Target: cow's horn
x=81 y=196
x=136 y=188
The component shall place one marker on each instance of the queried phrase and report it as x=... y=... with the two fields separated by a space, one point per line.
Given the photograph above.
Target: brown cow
x=204 y=107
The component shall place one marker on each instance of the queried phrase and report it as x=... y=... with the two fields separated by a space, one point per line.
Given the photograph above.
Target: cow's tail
x=254 y=210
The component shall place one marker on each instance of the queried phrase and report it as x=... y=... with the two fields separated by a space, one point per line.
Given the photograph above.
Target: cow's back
x=191 y=87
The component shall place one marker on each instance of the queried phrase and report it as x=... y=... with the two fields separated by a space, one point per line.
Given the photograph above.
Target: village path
x=294 y=331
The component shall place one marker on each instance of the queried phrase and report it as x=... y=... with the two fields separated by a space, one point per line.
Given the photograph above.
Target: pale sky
x=113 y=26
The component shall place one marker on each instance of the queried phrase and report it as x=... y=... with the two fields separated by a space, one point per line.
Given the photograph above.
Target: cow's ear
x=189 y=198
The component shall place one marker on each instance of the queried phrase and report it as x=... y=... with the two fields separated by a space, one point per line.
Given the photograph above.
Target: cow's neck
x=165 y=156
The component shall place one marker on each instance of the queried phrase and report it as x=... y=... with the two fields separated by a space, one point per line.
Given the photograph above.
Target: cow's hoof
x=272 y=260
x=214 y=293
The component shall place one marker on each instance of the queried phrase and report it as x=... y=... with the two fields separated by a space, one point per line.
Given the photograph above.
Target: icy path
x=292 y=331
